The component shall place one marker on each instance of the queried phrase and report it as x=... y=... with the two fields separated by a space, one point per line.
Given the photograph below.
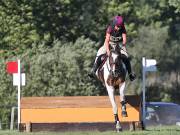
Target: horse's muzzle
x=114 y=74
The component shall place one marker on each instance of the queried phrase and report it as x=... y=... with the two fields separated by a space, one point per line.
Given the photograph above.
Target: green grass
x=160 y=130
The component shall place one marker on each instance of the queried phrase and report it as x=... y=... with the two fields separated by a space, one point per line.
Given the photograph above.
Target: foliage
x=17 y=31
x=176 y=4
x=7 y=95
x=60 y=70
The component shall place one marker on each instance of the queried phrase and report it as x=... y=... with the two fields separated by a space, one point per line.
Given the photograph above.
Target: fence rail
x=76 y=109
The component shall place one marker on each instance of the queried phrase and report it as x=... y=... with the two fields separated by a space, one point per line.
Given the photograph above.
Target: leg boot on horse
x=124 y=112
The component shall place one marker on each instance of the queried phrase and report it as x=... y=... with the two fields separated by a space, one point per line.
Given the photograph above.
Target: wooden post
x=0 y=125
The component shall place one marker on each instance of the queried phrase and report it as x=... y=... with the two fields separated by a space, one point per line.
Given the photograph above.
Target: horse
x=112 y=74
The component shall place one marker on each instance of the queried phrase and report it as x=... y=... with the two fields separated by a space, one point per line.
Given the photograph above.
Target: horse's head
x=114 y=62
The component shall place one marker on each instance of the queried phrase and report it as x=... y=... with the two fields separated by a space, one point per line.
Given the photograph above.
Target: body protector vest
x=115 y=36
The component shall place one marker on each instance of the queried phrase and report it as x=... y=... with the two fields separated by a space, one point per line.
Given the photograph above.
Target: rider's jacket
x=115 y=36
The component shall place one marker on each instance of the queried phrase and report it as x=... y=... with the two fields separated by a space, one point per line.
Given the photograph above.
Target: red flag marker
x=12 y=67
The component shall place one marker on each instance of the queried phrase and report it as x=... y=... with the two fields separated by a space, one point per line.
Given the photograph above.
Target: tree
x=60 y=70
x=17 y=30
x=176 y=4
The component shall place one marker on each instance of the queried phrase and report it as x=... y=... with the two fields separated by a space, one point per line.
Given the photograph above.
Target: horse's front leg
x=122 y=98
x=117 y=123
x=110 y=91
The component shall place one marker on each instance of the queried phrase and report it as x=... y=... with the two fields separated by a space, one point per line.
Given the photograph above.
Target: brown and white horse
x=112 y=74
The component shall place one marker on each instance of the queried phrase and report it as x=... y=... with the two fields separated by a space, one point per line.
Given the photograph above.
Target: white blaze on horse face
x=114 y=56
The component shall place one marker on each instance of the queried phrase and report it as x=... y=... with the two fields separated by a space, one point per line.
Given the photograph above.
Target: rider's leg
x=97 y=61
x=127 y=63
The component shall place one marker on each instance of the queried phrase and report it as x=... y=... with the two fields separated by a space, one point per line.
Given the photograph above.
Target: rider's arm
x=124 y=39
x=107 y=43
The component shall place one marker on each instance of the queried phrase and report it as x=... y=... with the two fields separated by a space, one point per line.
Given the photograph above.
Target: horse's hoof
x=119 y=130
x=124 y=114
x=118 y=127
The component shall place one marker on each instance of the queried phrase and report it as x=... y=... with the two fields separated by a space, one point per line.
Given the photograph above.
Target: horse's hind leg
x=124 y=112
x=110 y=90
x=122 y=98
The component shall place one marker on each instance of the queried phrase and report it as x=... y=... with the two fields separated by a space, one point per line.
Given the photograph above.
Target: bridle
x=113 y=62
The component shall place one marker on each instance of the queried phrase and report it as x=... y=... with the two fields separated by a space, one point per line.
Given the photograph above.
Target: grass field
x=160 y=130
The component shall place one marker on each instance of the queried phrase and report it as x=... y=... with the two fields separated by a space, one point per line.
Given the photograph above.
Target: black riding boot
x=127 y=63
x=96 y=65
x=93 y=70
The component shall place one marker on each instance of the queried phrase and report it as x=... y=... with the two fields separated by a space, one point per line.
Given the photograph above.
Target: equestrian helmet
x=118 y=21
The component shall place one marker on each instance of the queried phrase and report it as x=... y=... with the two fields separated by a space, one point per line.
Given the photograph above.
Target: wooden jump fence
x=55 y=113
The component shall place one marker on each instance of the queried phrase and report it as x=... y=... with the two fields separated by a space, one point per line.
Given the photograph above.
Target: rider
x=115 y=35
